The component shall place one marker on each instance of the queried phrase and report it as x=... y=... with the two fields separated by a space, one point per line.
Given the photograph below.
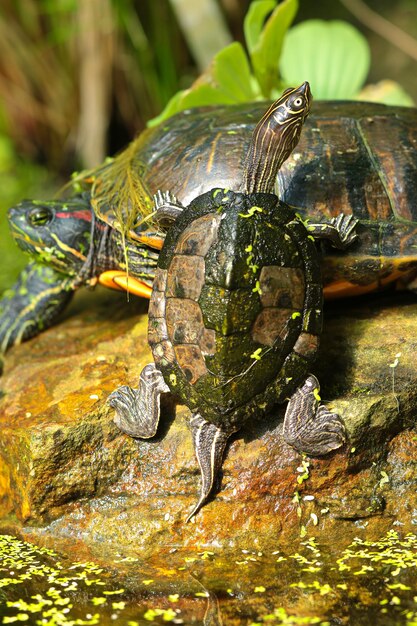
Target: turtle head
x=275 y=137
x=56 y=233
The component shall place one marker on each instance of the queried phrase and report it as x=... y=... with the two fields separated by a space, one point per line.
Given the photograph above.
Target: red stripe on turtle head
x=81 y=215
x=57 y=233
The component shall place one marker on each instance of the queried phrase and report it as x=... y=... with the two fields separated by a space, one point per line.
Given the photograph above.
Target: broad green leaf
x=232 y=74
x=387 y=92
x=202 y=94
x=255 y=19
x=173 y=106
x=333 y=56
x=227 y=81
x=266 y=53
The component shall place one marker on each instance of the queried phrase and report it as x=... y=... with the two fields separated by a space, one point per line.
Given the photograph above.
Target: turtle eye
x=39 y=216
x=298 y=102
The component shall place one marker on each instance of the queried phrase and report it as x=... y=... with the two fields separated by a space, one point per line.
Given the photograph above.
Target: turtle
x=353 y=157
x=72 y=247
x=236 y=309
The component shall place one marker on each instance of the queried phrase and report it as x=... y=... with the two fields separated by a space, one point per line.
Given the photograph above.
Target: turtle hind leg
x=308 y=425
x=209 y=445
x=138 y=410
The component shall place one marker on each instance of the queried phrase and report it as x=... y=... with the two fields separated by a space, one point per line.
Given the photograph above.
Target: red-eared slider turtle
x=236 y=308
x=72 y=247
x=355 y=157
x=358 y=158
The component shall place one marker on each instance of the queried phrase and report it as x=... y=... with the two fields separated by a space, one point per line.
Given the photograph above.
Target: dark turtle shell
x=236 y=309
x=353 y=157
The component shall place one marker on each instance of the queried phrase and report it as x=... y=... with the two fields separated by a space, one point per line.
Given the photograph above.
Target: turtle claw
x=339 y=231
x=209 y=445
x=308 y=425
x=137 y=410
x=167 y=207
x=345 y=226
x=329 y=433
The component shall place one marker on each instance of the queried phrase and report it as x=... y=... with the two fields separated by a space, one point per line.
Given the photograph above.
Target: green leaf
x=333 y=56
x=266 y=53
x=255 y=19
x=232 y=74
x=202 y=95
x=227 y=81
x=387 y=92
x=198 y=95
x=173 y=106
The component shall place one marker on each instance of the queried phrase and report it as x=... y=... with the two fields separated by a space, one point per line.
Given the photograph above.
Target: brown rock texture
x=66 y=471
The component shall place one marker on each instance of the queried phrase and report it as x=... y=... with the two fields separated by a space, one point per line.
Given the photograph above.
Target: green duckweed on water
x=368 y=580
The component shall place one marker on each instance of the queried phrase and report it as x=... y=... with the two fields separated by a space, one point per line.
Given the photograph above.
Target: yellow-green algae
x=25 y=565
x=368 y=580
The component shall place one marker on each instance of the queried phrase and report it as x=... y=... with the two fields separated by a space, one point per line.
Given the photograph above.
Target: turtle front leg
x=209 y=445
x=138 y=410
x=167 y=207
x=340 y=231
x=308 y=425
x=32 y=304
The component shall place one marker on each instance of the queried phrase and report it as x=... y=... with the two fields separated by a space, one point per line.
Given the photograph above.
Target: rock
x=66 y=470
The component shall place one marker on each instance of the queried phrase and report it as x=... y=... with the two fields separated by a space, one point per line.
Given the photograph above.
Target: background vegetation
x=79 y=78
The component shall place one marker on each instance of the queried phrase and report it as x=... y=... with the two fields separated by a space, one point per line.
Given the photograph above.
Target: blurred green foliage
x=332 y=55
x=64 y=64
x=67 y=64
x=18 y=178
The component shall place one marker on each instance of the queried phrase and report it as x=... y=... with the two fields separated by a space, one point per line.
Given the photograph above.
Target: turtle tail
x=209 y=445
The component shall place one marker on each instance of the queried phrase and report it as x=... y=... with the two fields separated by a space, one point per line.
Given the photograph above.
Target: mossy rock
x=67 y=471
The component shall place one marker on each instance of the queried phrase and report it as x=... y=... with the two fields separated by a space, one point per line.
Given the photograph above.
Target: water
x=365 y=582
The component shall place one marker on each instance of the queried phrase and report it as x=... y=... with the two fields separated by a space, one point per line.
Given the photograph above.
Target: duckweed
x=27 y=565
x=368 y=581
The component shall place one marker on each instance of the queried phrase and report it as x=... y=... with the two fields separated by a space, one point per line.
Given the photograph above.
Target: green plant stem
x=392 y=33
x=204 y=28
x=95 y=41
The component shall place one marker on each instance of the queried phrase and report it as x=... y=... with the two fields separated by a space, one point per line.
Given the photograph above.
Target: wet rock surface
x=320 y=583
x=68 y=473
